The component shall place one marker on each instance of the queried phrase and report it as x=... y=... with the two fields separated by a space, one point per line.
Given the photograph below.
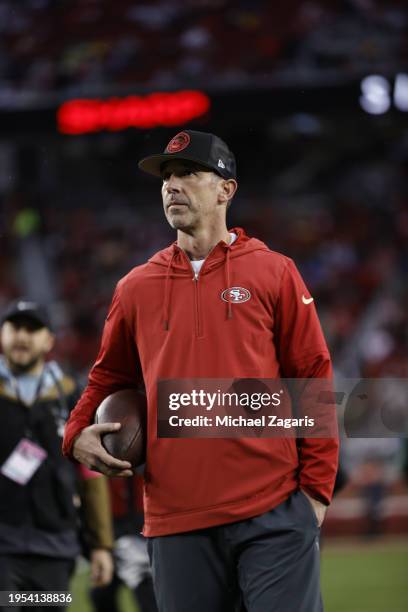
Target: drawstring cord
x=228 y=277
x=166 y=305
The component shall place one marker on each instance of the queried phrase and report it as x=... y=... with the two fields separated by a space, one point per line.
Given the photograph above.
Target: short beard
x=23 y=368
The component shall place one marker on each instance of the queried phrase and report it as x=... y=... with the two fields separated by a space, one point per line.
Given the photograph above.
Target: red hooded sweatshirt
x=164 y=324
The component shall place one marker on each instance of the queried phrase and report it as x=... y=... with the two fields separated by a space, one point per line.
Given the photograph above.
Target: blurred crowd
x=8 y=280
x=91 y=46
x=340 y=213
x=347 y=231
x=328 y=190
x=345 y=227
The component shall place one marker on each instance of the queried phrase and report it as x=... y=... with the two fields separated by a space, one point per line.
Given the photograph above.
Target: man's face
x=25 y=343
x=191 y=195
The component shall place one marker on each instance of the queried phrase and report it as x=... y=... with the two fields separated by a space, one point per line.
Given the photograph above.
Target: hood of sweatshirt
x=177 y=264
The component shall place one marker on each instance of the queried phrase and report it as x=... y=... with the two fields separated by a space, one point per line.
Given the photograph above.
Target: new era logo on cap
x=204 y=148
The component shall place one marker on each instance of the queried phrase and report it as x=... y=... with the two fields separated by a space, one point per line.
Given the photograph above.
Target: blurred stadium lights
x=375 y=98
x=377 y=94
x=401 y=92
x=82 y=116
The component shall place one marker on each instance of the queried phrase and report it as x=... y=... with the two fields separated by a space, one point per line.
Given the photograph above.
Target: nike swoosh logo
x=306 y=300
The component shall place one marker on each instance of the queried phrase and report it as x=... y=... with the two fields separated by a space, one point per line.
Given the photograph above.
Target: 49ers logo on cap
x=178 y=143
x=236 y=295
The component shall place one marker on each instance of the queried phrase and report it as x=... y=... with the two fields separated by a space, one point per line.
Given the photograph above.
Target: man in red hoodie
x=228 y=519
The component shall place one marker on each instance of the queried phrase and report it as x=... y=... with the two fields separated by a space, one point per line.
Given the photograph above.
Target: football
x=128 y=407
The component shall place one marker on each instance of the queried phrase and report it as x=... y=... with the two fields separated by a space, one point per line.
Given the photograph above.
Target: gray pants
x=268 y=563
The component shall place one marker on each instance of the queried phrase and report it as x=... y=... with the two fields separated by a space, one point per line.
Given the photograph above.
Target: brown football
x=128 y=407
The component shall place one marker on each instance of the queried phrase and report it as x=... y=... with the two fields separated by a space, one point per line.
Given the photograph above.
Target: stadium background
x=313 y=98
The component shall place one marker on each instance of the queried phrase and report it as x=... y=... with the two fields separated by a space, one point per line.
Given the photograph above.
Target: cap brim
x=153 y=163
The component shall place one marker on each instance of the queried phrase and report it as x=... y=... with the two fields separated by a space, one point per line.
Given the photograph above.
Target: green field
x=355 y=578
x=365 y=578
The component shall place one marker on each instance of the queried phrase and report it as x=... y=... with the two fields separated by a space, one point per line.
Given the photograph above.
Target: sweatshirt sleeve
x=303 y=354
x=117 y=367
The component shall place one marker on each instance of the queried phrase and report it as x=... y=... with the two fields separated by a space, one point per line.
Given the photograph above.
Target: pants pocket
x=310 y=509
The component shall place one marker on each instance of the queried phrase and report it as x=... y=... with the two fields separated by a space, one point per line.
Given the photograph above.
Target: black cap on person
x=29 y=310
x=202 y=148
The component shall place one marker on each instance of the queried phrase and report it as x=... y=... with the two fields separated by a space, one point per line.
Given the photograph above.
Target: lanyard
x=16 y=387
x=62 y=400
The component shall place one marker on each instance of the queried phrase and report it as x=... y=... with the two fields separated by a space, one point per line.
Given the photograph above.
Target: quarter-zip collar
x=177 y=265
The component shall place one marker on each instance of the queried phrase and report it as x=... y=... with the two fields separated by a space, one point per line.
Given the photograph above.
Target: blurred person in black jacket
x=132 y=565
x=40 y=492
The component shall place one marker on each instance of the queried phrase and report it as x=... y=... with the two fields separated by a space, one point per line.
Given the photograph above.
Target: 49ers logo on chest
x=236 y=295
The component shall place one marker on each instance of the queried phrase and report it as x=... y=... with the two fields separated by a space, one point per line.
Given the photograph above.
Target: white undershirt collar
x=198 y=263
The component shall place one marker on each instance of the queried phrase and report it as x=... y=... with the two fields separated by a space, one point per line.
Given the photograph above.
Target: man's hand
x=319 y=508
x=101 y=567
x=88 y=449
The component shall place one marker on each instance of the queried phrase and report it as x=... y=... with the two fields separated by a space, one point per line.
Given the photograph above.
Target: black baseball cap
x=201 y=147
x=27 y=309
